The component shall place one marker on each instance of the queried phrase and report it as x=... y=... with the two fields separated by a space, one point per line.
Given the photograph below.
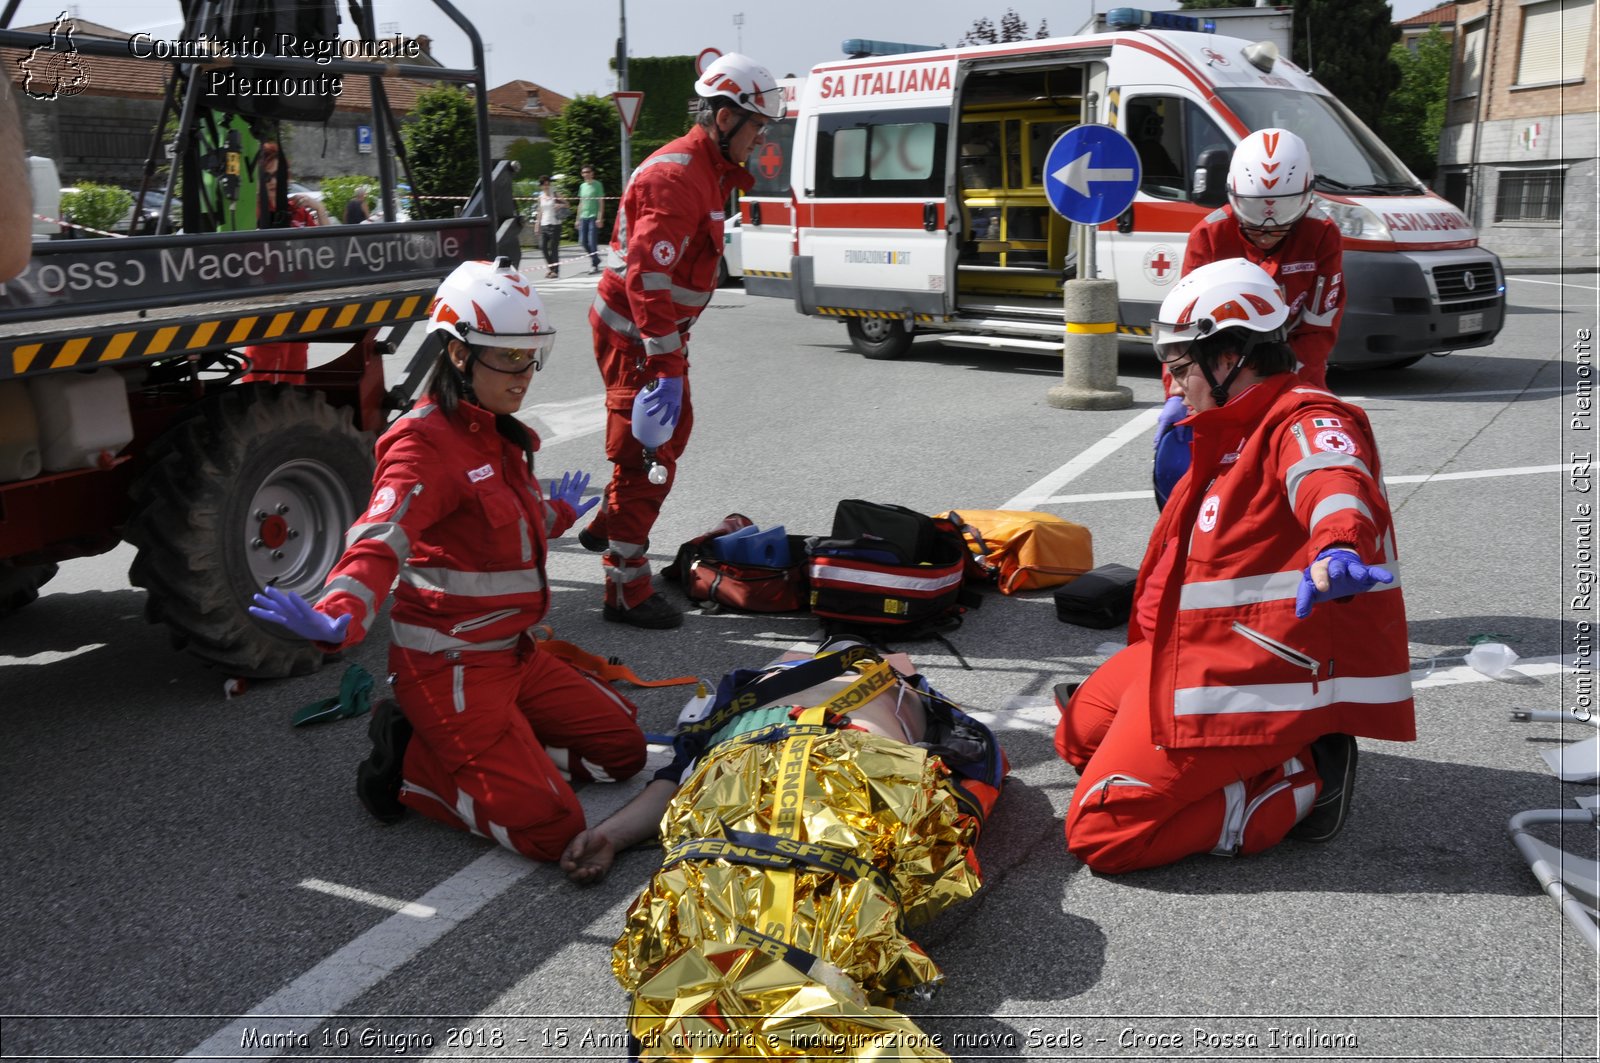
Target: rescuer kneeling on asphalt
x=661 y=273
x=1268 y=626
x=489 y=730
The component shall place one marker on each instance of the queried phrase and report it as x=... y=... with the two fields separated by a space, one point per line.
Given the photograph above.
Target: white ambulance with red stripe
x=907 y=194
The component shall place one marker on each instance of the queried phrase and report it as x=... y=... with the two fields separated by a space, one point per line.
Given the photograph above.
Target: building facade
x=1518 y=150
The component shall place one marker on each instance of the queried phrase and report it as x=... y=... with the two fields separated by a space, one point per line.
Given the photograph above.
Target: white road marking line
x=377 y=900
x=1422 y=478
x=1555 y=284
x=363 y=963
x=559 y=422
x=1040 y=492
x=1464 y=673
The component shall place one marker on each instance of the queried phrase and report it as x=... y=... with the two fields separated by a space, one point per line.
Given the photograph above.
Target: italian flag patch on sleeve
x=1326 y=422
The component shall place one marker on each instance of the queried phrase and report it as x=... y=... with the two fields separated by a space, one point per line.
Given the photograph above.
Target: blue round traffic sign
x=1091 y=174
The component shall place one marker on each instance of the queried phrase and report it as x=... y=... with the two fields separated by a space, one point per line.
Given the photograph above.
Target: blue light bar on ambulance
x=1133 y=18
x=857 y=48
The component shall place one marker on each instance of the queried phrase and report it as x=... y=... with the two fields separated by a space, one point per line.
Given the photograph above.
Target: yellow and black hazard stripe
x=1134 y=330
x=774 y=274
x=835 y=311
x=208 y=333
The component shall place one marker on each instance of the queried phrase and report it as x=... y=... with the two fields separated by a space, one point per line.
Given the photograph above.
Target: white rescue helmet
x=747 y=83
x=1231 y=293
x=491 y=304
x=1270 y=180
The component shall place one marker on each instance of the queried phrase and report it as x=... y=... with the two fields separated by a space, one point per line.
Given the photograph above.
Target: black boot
x=1335 y=757
x=655 y=612
x=592 y=540
x=378 y=777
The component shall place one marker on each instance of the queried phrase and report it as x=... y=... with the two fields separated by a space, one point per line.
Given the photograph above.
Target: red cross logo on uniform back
x=770 y=160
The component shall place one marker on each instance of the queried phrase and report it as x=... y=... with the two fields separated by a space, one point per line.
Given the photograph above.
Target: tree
x=1345 y=45
x=1415 y=113
x=1044 y=30
x=1012 y=28
x=533 y=157
x=982 y=32
x=442 y=141
x=588 y=130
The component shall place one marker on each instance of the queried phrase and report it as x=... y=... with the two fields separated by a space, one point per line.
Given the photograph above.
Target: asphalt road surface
x=186 y=875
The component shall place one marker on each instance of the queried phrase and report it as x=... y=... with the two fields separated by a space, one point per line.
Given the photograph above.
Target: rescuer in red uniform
x=489 y=730
x=1268 y=628
x=661 y=273
x=1268 y=221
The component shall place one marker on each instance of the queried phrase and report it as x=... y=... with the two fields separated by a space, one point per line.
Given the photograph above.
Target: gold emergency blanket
x=775 y=927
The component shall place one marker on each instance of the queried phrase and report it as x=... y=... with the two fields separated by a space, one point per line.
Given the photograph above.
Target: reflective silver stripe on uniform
x=682 y=158
x=1243 y=590
x=467 y=811
x=1260 y=799
x=662 y=344
x=527 y=543
x=615 y=262
x=690 y=297
x=1327 y=459
x=1338 y=504
x=458 y=687
x=501 y=835
x=625 y=551
x=352 y=586
x=628 y=573
x=596 y=772
x=1232 y=819
x=405 y=504
x=473 y=584
x=550 y=516
x=656 y=281
x=416 y=412
x=1292 y=697
x=1108 y=782
x=427 y=640
x=613 y=320
x=388 y=533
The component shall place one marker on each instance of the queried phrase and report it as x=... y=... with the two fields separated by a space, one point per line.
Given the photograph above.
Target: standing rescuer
x=1268 y=221
x=660 y=274
x=489 y=729
x=1268 y=626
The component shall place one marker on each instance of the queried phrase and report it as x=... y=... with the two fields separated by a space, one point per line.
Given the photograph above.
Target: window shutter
x=1471 y=61
x=1555 y=41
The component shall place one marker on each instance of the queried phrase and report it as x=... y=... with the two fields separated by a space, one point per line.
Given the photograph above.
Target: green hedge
x=97 y=206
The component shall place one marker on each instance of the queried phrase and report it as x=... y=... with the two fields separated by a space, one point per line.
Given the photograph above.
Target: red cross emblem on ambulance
x=770 y=161
x=1160 y=265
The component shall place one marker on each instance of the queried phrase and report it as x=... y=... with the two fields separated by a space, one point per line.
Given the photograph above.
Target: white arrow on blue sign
x=1091 y=174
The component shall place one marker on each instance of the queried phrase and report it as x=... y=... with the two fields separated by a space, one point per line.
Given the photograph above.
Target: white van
x=911 y=194
x=44 y=184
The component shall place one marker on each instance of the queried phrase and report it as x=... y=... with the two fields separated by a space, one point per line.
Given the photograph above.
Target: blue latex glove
x=570 y=489
x=1346 y=576
x=288 y=609
x=1174 y=411
x=666 y=399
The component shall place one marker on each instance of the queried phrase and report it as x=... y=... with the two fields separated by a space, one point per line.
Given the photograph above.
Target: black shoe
x=593 y=541
x=1335 y=757
x=378 y=777
x=655 y=612
x=1064 y=692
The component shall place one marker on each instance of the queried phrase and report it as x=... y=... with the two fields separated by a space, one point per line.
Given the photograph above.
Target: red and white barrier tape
x=64 y=223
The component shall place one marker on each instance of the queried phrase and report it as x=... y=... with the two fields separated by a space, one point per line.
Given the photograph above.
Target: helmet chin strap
x=725 y=140
x=1219 y=391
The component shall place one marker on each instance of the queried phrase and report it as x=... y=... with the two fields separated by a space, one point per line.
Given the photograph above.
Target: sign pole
x=1091 y=175
x=622 y=86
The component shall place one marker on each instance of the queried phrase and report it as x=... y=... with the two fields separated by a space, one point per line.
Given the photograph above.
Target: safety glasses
x=517 y=359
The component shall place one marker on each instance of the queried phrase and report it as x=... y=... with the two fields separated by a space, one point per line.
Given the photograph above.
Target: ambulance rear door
x=766 y=213
x=873 y=191
x=1170 y=128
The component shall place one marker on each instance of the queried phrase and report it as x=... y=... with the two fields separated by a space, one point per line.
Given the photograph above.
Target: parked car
x=143 y=215
x=45 y=185
x=732 y=256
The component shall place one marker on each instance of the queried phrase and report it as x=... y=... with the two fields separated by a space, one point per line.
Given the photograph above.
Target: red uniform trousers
x=1138 y=805
x=495 y=731
x=632 y=503
x=277 y=363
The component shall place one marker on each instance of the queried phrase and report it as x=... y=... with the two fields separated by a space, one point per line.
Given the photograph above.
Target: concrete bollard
x=1089 y=358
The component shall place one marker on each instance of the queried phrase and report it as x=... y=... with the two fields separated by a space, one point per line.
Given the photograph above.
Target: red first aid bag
x=741 y=586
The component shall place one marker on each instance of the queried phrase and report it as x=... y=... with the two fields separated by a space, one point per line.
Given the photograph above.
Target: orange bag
x=1026 y=551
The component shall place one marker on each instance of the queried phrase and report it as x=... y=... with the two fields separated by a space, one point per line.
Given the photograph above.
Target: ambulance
x=905 y=194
